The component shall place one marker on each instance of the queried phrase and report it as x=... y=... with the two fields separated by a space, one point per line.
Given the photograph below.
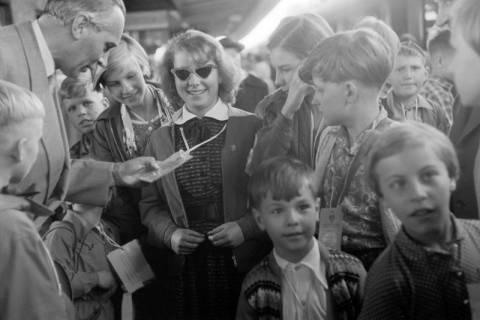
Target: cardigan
x=261 y=294
x=162 y=209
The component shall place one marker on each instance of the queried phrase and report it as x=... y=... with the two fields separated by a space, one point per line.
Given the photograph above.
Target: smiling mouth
x=86 y=122
x=293 y=234
x=196 y=92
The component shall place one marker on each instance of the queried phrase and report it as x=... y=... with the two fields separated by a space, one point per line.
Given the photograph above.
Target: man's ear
x=81 y=25
x=258 y=218
x=453 y=185
x=19 y=150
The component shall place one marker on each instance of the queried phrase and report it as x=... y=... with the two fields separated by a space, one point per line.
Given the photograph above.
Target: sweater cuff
x=248 y=225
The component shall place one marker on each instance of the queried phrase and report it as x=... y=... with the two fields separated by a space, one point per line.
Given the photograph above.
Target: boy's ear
x=80 y=25
x=258 y=218
x=351 y=92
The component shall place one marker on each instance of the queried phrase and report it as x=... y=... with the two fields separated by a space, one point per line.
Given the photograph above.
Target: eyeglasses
x=184 y=73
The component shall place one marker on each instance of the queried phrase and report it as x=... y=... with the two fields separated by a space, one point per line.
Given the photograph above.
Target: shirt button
x=345 y=238
x=465 y=301
x=459 y=273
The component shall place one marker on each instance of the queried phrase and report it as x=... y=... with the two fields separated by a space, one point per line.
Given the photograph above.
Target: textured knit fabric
x=424 y=111
x=362 y=234
x=439 y=91
x=200 y=179
x=409 y=282
x=261 y=294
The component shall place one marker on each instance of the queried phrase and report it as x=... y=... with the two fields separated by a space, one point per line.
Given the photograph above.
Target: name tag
x=331 y=226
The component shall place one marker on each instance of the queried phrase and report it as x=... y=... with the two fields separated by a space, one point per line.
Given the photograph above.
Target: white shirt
x=304 y=287
x=45 y=53
x=219 y=112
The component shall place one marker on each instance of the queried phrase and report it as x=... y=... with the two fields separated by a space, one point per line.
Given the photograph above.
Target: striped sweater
x=261 y=295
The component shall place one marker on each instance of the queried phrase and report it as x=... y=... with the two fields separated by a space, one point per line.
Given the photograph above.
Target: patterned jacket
x=261 y=294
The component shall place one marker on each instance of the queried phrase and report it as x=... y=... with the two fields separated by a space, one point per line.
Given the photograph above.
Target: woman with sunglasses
x=199 y=211
x=290 y=123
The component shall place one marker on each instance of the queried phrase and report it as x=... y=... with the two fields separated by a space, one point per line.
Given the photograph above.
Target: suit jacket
x=465 y=135
x=54 y=175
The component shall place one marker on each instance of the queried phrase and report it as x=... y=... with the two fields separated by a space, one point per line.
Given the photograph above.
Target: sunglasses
x=203 y=72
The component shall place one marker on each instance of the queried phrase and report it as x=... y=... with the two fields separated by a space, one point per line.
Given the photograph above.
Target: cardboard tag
x=165 y=167
x=474 y=298
x=330 y=229
x=131 y=266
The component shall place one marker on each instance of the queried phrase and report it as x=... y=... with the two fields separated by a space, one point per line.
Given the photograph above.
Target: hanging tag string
x=189 y=150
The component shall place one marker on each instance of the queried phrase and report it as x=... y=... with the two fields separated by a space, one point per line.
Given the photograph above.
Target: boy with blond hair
x=431 y=269
x=404 y=102
x=348 y=71
x=31 y=288
x=300 y=278
x=82 y=105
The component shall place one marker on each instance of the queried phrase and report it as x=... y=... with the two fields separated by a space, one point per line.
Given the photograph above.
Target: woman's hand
x=185 y=241
x=228 y=234
x=297 y=91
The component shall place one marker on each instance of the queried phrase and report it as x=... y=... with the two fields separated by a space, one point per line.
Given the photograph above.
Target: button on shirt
x=304 y=287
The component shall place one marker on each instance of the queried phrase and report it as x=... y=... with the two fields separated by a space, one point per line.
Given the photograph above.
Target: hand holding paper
x=165 y=167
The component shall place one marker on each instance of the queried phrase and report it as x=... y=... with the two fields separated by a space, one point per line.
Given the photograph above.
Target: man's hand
x=228 y=234
x=106 y=280
x=127 y=173
x=185 y=241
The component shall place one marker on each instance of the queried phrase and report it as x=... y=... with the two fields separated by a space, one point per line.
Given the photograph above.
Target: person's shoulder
x=255 y=81
x=261 y=274
x=242 y=114
x=342 y=261
x=272 y=103
x=15 y=221
x=471 y=226
x=112 y=111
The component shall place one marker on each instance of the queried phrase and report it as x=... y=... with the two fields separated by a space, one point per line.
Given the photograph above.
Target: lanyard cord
x=106 y=237
x=189 y=150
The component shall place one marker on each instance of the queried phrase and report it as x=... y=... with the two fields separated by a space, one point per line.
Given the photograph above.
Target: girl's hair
x=202 y=48
x=385 y=31
x=466 y=20
x=128 y=47
x=411 y=134
x=299 y=34
x=353 y=55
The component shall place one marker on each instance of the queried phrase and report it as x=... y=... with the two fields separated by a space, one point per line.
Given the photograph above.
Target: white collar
x=45 y=52
x=311 y=261
x=219 y=112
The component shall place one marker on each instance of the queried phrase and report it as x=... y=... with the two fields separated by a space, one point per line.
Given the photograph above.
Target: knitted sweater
x=261 y=295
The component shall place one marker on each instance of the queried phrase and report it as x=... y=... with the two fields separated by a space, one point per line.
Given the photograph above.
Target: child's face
x=330 y=99
x=466 y=70
x=408 y=76
x=126 y=83
x=416 y=185
x=82 y=112
x=290 y=224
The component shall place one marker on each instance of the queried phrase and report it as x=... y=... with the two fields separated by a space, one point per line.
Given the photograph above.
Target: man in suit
x=73 y=36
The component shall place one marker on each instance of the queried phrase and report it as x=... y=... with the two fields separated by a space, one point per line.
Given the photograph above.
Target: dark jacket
x=250 y=92
x=162 y=209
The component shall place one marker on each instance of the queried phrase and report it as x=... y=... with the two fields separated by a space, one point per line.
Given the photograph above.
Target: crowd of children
x=340 y=205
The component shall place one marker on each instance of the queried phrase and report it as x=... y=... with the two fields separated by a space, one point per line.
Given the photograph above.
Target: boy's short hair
x=466 y=19
x=282 y=176
x=17 y=104
x=353 y=55
x=411 y=49
x=384 y=30
x=411 y=134
x=74 y=88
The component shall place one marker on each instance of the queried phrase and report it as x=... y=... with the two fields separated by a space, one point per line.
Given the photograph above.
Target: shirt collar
x=414 y=251
x=312 y=261
x=45 y=53
x=219 y=112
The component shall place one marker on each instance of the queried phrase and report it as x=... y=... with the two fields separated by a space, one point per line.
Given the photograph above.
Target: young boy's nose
x=292 y=216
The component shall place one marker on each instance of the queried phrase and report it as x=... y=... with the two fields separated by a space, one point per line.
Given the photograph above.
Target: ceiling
x=234 y=18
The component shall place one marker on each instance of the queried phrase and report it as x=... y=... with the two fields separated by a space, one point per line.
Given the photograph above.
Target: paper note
x=166 y=166
x=131 y=266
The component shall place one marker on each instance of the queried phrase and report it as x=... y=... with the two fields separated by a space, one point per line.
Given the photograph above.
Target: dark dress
x=208 y=285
